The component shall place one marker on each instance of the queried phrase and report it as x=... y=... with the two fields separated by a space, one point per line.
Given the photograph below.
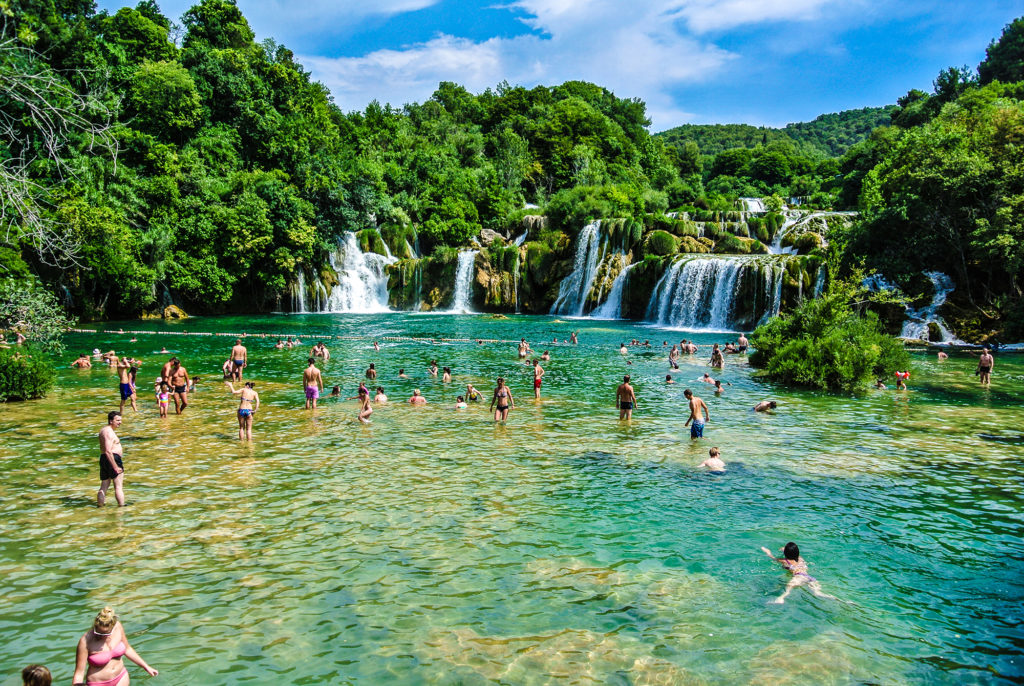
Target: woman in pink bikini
x=100 y=650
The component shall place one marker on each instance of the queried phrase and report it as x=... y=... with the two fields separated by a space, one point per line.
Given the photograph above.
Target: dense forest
x=145 y=163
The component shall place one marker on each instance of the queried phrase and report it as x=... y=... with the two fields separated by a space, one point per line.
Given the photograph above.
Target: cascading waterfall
x=753 y=204
x=299 y=295
x=819 y=281
x=521 y=239
x=916 y=325
x=362 y=285
x=791 y=219
x=612 y=307
x=573 y=291
x=717 y=293
x=464 y=283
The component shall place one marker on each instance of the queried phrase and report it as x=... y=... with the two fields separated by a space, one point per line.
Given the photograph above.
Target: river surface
x=434 y=546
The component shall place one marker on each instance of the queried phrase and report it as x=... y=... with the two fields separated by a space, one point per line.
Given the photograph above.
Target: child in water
x=163 y=397
x=797 y=566
x=461 y=404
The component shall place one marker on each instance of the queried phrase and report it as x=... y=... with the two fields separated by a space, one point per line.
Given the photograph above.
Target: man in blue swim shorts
x=699 y=414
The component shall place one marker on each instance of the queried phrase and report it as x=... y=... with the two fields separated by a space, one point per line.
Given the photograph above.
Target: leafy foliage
x=828 y=343
x=25 y=374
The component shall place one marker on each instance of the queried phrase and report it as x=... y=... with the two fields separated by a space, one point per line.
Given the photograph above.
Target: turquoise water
x=564 y=547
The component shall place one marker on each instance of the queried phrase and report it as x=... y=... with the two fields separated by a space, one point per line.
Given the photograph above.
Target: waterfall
x=521 y=239
x=412 y=251
x=573 y=291
x=464 y=283
x=753 y=205
x=819 y=281
x=362 y=285
x=791 y=219
x=916 y=325
x=717 y=293
x=612 y=307
x=299 y=294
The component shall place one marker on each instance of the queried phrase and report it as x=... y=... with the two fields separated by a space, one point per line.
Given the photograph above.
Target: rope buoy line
x=122 y=332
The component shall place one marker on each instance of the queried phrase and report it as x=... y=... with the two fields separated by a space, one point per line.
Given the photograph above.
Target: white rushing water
x=916 y=325
x=521 y=239
x=791 y=219
x=572 y=292
x=463 y=301
x=362 y=284
x=299 y=295
x=753 y=205
x=704 y=293
x=612 y=306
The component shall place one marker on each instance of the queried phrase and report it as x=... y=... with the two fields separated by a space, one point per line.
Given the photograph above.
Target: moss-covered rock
x=660 y=242
x=370 y=241
x=694 y=245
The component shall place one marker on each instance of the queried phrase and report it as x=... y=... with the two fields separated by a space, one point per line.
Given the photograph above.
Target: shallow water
x=564 y=547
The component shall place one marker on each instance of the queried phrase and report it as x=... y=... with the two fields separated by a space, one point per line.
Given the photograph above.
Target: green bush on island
x=25 y=374
x=660 y=243
x=828 y=343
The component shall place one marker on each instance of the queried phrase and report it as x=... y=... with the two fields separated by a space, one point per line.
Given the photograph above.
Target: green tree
x=1004 y=58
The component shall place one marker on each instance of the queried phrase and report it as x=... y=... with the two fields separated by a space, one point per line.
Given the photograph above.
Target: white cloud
x=716 y=15
x=634 y=52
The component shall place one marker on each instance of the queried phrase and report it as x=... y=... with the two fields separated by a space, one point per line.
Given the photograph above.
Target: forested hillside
x=829 y=135
x=145 y=163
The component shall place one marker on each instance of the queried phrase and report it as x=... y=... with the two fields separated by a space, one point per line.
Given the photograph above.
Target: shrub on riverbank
x=828 y=343
x=25 y=374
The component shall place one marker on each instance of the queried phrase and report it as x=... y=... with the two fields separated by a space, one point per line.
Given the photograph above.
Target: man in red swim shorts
x=538 y=374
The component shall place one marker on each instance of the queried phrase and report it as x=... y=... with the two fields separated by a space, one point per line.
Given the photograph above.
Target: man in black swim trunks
x=111 y=466
x=625 y=397
x=985 y=364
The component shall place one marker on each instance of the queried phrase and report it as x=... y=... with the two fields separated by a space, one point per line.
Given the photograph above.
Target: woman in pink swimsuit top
x=98 y=662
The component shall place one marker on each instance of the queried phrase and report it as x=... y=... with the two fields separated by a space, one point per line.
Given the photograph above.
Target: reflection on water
x=435 y=546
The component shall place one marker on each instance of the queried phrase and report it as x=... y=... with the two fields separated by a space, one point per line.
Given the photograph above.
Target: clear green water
x=565 y=547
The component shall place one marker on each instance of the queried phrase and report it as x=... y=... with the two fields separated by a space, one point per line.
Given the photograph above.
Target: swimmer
x=164 y=350
x=401 y=374
x=336 y=392
x=376 y=346
x=943 y=356
x=163 y=398
x=668 y=378
x=880 y=385
x=622 y=349
x=538 y=378
x=546 y=356
x=706 y=379
x=625 y=398
x=714 y=462
x=432 y=370
x=446 y=377
x=179 y=384
x=573 y=338
x=416 y=398
x=698 y=412
x=111 y=465
x=472 y=394
x=901 y=380
x=765 y=405
x=228 y=369
x=82 y=362
x=313 y=382
x=133 y=339
x=364 y=406
x=239 y=359
x=36 y=675
x=717 y=359
x=796 y=566
x=125 y=383
x=247 y=407
x=503 y=397
x=742 y=344
x=984 y=370
x=371 y=373
x=460 y=403
x=380 y=398
x=99 y=656
x=718 y=387
x=279 y=345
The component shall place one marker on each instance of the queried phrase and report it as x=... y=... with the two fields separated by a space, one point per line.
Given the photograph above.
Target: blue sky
x=758 y=62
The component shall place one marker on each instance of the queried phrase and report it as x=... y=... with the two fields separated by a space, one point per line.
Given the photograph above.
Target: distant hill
x=830 y=135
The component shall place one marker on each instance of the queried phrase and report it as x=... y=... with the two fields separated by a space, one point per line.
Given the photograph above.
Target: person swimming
x=714 y=462
x=797 y=566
